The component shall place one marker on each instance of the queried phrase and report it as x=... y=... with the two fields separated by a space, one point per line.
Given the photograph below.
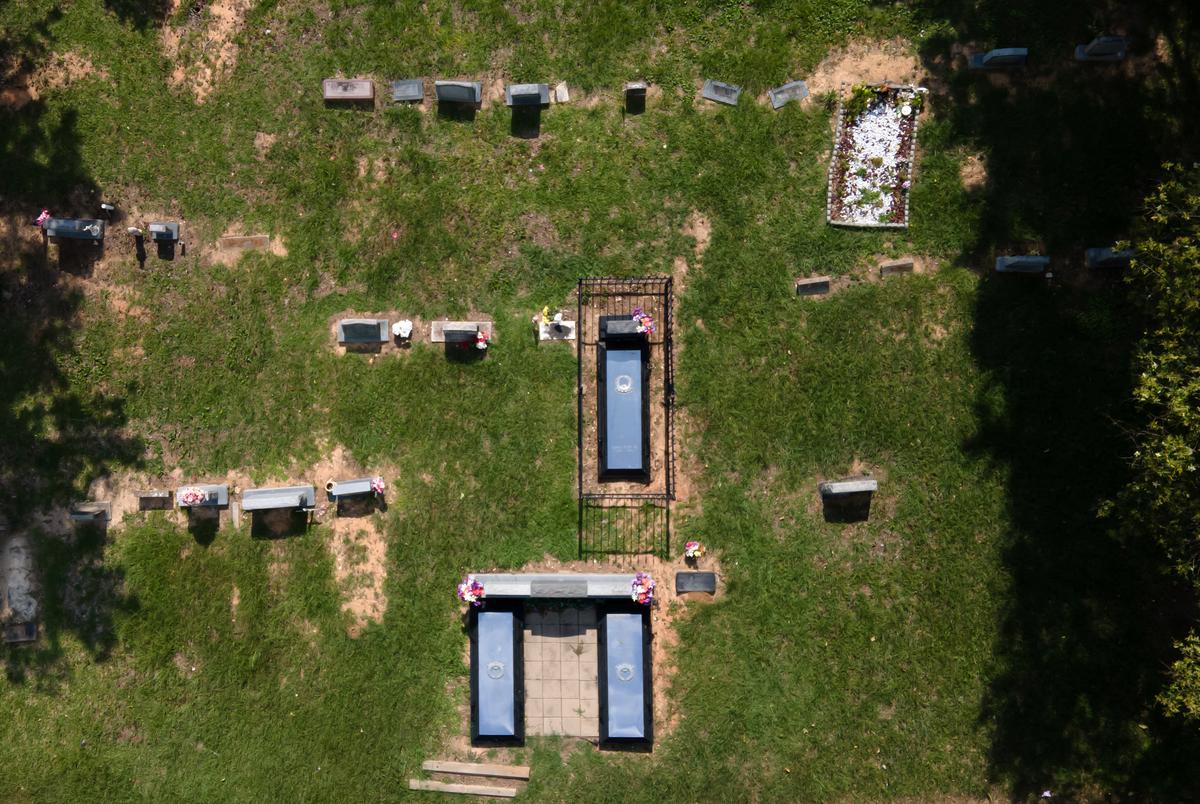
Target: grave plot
x=625 y=415
x=872 y=166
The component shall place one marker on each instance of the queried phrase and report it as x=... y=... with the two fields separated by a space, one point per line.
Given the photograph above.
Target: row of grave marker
x=470 y=93
x=216 y=495
x=1101 y=259
x=1100 y=49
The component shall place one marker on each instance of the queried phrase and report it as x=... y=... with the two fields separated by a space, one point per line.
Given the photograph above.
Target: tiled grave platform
x=562 y=672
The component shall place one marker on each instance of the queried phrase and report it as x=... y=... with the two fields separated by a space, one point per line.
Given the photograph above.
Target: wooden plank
x=477 y=769
x=465 y=789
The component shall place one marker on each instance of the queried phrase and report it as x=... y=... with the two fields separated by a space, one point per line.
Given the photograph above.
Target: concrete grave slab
x=892 y=267
x=1022 y=264
x=437 y=329
x=813 y=286
x=353 y=90
x=695 y=582
x=720 y=92
x=793 y=91
x=1103 y=48
x=408 y=90
x=563 y=332
x=1003 y=58
x=1108 y=258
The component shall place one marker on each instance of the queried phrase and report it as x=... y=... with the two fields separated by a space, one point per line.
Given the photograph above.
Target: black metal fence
x=617 y=520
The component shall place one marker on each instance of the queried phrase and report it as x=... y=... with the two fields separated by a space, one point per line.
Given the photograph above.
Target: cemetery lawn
x=980 y=635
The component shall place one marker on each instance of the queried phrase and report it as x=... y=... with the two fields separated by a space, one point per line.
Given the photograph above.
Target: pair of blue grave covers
x=498 y=682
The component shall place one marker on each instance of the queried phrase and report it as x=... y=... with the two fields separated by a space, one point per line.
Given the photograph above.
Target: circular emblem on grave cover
x=495 y=669
x=623 y=383
x=625 y=672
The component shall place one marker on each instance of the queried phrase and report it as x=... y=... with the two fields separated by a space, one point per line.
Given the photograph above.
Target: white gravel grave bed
x=872 y=166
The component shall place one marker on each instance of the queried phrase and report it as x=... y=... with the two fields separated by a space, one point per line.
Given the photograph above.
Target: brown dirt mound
x=203 y=49
x=866 y=62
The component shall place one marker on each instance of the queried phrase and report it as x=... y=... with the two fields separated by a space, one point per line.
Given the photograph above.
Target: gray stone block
x=695 y=582
x=1022 y=264
x=300 y=497
x=527 y=95
x=558 y=587
x=796 y=90
x=892 y=267
x=848 y=500
x=813 y=286
x=469 y=92
x=98 y=512
x=164 y=232
x=74 y=229
x=1000 y=59
x=1104 y=258
x=155 y=500
x=354 y=89
x=1103 y=48
x=408 y=90
x=362 y=330
x=720 y=92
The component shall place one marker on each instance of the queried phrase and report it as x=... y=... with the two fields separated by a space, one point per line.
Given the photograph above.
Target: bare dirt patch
x=699 y=228
x=263 y=143
x=973 y=173
x=359 y=550
x=540 y=230
x=203 y=49
x=866 y=62
x=62 y=70
x=235 y=242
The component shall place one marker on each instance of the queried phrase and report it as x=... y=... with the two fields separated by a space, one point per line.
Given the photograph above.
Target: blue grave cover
x=497 y=683
x=626 y=712
x=623 y=409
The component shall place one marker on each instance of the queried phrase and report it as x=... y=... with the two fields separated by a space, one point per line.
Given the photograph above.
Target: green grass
x=909 y=656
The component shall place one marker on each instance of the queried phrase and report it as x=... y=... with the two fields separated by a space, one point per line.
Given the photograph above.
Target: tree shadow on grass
x=1071 y=149
x=63 y=428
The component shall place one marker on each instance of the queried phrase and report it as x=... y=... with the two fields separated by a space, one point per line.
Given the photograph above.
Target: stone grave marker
x=1022 y=264
x=527 y=95
x=153 y=500
x=720 y=92
x=1105 y=258
x=695 y=582
x=464 y=92
x=795 y=90
x=408 y=90
x=893 y=267
x=635 y=97
x=848 y=500
x=353 y=90
x=1103 y=48
x=1003 y=58
x=813 y=286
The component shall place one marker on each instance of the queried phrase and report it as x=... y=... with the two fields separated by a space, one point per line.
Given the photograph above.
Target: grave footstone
x=813 y=286
x=1022 y=264
x=720 y=92
x=362 y=331
x=893 y=267
x=795 y=90
x=155 y=500
x=848 y=500
x=95 y=512
x=1103 y=48
x=695 y=582
x=354 y=90
x=561 y=93
x=527 y=95
x=1000 y=59
x=408 y=90
x=1105 y=258
x=461 y=92
x=635 y=97
x=74 y=229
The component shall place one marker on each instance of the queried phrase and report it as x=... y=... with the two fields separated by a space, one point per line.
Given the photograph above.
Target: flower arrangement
x=377 y=484
x=693 y=550
x=642 y=589
x=481 y=339
x=471 y=591
x=190 y=495
x=545 y=316
x=645 y=321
